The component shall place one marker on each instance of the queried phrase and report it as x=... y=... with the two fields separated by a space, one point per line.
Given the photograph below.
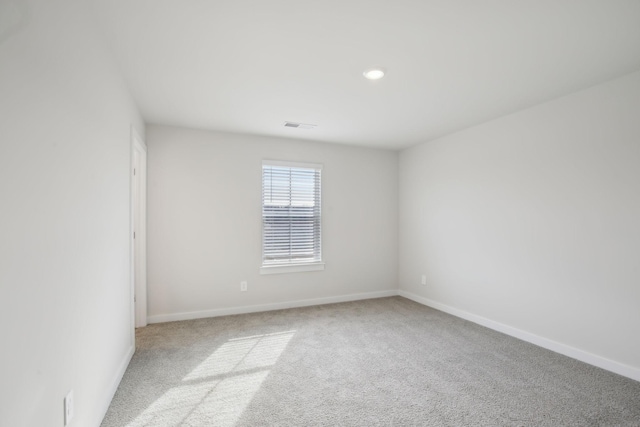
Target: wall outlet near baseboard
x=423 y=280
x=68 y=408
x=243 y=286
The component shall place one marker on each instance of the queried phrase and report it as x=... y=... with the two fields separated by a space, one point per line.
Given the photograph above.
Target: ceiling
x=250 y=65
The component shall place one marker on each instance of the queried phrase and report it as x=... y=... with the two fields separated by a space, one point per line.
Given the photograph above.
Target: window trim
x=286 y=164
x=291 y=267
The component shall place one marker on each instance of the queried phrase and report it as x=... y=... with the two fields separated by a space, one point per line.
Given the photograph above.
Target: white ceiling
x=250 y=65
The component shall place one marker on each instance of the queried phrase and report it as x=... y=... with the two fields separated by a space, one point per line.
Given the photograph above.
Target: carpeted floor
x=381 y=362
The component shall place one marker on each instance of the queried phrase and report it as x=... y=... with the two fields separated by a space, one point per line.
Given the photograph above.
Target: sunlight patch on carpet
x=218 y=390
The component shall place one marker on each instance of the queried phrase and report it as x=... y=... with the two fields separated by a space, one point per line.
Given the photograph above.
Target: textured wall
x=531 y=220
x=65 y=120
x=204 y=229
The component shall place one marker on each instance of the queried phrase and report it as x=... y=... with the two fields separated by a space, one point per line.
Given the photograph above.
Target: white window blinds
x=291 y=213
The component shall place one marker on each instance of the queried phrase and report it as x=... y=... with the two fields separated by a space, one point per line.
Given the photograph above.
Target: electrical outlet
x=68 y=408
x=243 y=286
x=424 y=279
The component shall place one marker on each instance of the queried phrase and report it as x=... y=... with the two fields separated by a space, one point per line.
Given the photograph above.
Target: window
x=291 y=217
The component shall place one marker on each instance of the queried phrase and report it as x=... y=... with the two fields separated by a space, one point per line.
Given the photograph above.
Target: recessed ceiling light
x=374 y=73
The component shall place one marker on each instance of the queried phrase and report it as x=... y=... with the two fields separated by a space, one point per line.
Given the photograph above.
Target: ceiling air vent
x=299 y=125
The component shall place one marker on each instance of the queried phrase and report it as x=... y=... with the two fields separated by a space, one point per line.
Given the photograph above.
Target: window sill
x=291 y=268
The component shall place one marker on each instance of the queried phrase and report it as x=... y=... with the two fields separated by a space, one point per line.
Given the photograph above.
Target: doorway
x=139 y=229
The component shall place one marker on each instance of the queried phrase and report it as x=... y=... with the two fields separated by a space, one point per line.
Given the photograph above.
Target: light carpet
x=380 y=362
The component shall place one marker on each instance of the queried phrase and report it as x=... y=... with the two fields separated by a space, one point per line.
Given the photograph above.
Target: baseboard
x=113 y=387
x=268 y=307
x=575 y=353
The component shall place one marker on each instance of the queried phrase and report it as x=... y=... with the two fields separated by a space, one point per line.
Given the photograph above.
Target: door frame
x=138 y=175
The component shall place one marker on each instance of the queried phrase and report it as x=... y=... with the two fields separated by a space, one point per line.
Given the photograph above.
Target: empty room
x=297 y=213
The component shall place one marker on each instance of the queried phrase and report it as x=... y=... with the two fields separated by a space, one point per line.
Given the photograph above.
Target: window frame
x=290 y=267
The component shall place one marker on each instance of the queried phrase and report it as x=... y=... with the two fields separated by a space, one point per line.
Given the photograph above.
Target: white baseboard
x=575 y=353
x=159 y=318
x=113 y=387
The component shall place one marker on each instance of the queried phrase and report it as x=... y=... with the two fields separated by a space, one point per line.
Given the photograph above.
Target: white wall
x=533 y=221
x=204 y=222
x=65 y=121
